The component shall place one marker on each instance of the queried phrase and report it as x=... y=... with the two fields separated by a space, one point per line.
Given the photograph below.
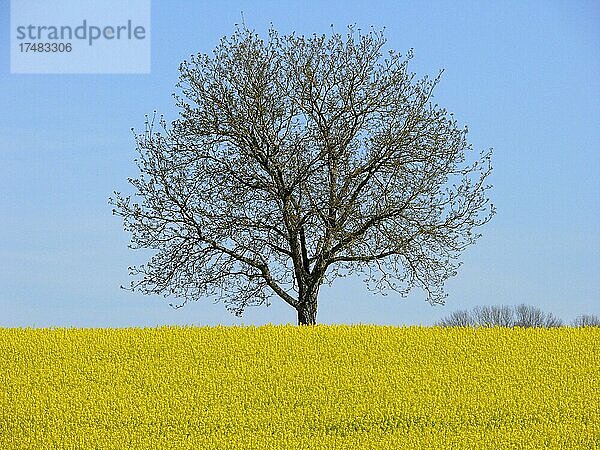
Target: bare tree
x=587 y=320
x=502 y=316
x=460 y=318
x=297 y=160
x=528 y=316
x=490 y=316
x=551 y=321
x=532 y=316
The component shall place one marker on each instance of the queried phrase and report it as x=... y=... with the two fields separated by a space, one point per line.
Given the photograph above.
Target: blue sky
x=524 y=76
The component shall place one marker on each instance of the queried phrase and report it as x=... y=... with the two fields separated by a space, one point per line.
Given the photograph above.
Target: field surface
x=271 y=387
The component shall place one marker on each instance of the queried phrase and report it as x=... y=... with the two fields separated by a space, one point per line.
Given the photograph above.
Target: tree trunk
x=307 y=310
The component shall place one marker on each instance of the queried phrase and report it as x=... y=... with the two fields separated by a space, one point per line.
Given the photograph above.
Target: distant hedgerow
x=523 y=315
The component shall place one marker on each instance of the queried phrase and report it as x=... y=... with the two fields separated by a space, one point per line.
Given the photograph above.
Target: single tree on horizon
x=296 y=160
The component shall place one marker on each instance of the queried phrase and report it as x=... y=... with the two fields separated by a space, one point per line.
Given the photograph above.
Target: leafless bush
x=587 y=320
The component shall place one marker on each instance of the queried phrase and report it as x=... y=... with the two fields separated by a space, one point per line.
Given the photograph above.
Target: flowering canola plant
x=313 y=387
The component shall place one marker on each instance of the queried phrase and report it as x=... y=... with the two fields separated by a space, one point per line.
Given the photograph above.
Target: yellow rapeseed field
x=271 y=387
